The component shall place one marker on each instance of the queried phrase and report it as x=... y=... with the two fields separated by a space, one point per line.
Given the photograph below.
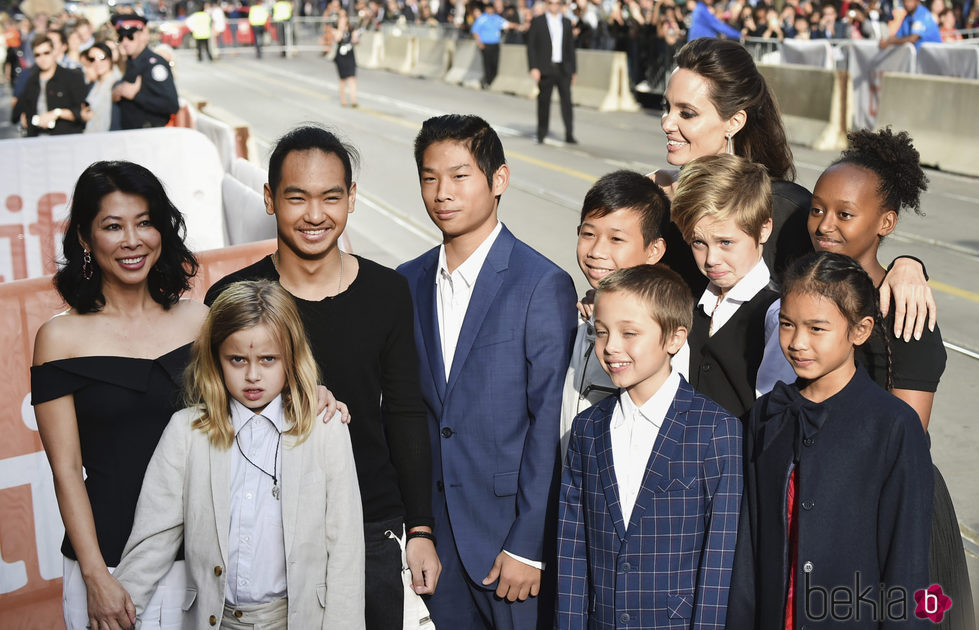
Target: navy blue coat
x=865 y=499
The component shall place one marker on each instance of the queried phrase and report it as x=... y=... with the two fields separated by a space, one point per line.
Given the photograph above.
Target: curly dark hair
x=893 y=158
x=171 y=274
x=735 y=84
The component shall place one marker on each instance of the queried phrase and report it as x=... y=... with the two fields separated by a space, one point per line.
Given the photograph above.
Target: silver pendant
x=275 y=492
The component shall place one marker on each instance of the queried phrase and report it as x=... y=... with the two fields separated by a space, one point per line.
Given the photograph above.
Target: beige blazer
x=185 y=498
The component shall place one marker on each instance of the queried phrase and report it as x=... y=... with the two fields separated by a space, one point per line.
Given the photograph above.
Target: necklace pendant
x=275 y=492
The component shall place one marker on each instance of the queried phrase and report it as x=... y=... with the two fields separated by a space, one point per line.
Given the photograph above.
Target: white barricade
x=221 y=134
x=432 y=57
x=399 y=54
x=514 y=74
x=811 y=101
x=949 y=60
x=808 y=52
x=868 y=63
x=38 y=175
x=370 y=50
x=467 y=64
x=250 y=175
x=945 y=127
x=244 y=213
x=603 y=81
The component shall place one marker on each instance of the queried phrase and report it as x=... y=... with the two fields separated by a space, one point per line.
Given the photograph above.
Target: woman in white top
x=102 y=74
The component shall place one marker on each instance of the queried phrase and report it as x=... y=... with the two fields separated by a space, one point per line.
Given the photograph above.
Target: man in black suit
x=550 y=55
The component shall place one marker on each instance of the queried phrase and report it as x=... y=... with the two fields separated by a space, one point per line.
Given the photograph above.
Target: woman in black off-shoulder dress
x=106 y=379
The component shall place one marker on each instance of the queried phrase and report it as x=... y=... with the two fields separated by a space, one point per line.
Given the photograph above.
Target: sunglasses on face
x=127 y=33
x=94 y=58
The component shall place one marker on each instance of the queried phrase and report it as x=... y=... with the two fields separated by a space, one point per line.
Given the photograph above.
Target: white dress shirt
x=454 y=291
x=633 y=432
x=555 y=24
x=256 y=547
x=775 y=366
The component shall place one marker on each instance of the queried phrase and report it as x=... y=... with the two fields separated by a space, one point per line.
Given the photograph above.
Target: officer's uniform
x=156 y=100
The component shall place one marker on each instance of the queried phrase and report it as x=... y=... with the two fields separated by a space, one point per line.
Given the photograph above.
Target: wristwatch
x=57 y=115
x=36 y=120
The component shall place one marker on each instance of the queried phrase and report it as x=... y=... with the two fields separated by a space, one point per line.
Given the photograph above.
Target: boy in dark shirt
x=358 y=317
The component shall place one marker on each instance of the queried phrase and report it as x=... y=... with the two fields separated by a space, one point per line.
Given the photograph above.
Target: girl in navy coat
x=838 y=480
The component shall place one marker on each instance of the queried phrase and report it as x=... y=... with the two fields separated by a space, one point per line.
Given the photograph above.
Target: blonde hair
x=662 y=290
x=241 y=306
x=722 y=187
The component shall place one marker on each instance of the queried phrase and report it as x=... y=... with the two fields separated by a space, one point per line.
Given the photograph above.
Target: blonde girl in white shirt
x=263 y=497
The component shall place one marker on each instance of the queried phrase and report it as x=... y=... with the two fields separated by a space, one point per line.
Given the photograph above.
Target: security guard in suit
x=146 y=96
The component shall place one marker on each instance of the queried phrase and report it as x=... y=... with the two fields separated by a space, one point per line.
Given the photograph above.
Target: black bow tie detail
x=787 y=407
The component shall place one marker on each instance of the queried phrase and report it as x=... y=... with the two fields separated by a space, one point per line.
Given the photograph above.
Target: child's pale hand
x=424 y=564
x=326 y=400
x=587 y=304
x=109 y=605
x=517 y=580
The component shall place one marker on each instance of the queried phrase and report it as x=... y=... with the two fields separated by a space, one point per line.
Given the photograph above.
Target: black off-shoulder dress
x=122 y=405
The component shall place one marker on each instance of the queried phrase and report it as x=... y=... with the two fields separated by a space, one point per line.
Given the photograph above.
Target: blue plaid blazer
x=671 y=567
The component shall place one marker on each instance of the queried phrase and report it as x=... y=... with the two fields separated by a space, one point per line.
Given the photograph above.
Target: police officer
x=146 y=95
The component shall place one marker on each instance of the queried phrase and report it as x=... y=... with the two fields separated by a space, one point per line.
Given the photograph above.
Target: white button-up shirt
x=454 y=291
x=633 y=432
x=555 y=24
x=256 y=547
x=774 y=367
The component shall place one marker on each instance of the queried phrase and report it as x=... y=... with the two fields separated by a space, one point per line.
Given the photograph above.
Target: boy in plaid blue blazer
x=652 y=487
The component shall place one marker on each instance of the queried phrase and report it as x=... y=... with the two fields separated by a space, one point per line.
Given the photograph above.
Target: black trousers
x=280 y=33
x=384 y=590
x=258 y=32
x=554 y=76
x=203 y=45
x=491 y=62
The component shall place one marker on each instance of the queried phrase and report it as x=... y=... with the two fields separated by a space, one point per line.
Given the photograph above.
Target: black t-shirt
x=916 y=365
x=364 y=344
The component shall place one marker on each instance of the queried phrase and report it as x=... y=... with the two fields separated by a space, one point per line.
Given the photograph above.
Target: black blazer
x=65 y=89
x=539 y=46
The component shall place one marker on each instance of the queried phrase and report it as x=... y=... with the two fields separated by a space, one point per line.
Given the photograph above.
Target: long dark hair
x=844 y=282
x=171 y=274
x=736 y=84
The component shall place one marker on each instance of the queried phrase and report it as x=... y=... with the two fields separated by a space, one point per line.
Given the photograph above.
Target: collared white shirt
x=774 y=367
x=454 y=291
x=633 y=431
x=746 y=288
x=555 y=24
x=256 y=547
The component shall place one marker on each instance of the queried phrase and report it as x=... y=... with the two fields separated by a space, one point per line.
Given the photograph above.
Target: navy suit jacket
x=495 y=422
x=671 y=568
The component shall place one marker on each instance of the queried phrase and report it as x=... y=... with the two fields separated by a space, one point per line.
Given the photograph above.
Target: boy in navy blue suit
x=494 y=322
x=652 y=487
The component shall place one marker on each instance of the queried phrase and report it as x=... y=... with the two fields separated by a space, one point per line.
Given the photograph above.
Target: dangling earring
x=730 y=144
x=87 y=266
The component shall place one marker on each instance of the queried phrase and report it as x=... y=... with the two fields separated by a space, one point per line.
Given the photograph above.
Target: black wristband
x=426 y=535
x=917 y=260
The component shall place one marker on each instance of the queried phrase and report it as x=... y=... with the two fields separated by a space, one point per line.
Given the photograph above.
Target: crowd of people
x=734 y=415
x=67 y=78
